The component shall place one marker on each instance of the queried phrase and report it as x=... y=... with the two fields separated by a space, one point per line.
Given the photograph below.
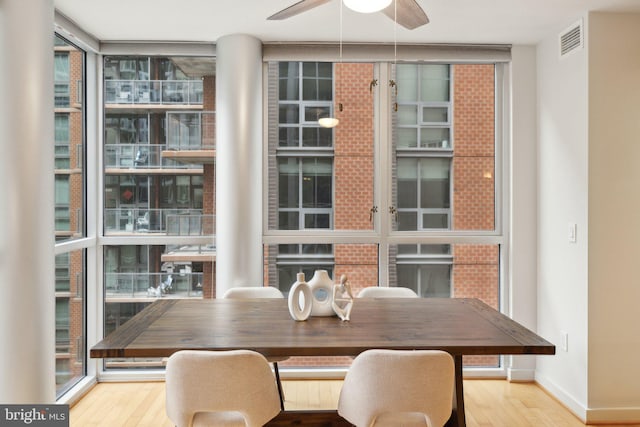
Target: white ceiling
x=452 y=21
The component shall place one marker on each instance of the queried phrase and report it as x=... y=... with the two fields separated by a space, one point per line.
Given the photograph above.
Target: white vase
x=322 y=294
x=300 y=299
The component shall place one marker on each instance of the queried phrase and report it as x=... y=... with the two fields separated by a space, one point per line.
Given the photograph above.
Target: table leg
x=457 y=416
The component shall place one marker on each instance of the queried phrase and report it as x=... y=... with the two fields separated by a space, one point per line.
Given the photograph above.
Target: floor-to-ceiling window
x=402 y=192
x=70 y=214
x=158 y=187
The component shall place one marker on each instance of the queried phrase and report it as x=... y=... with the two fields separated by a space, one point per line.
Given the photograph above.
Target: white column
x=238 y=162
x=27 y=300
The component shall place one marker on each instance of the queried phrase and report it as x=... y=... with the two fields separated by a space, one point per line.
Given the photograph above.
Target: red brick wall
x=359 y=263
x=476 y=268
x=353 y=147
x=209 y=180
x=354 y=172
x=474 y=147
x=209 y=93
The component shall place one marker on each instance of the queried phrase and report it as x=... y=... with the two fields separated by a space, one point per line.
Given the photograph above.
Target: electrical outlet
x=564 y=341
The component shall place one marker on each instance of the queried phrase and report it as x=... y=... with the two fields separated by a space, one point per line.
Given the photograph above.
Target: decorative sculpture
x=321 y=290
x=342 y=299
x=300 y=299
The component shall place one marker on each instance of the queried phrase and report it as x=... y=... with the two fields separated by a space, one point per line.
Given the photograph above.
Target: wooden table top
x=458 y=326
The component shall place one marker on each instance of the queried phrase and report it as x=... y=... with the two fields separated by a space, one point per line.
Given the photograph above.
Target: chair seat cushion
x=401 y=419
x=218 y=419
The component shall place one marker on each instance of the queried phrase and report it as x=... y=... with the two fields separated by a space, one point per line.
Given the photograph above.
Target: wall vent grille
x=571 y=39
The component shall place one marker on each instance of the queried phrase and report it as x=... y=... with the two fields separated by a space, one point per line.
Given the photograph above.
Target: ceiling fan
x=409 y=13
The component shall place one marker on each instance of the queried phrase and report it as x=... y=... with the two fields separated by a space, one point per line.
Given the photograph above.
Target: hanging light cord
x=340 y=59
x=395 y=32
x=392 y=82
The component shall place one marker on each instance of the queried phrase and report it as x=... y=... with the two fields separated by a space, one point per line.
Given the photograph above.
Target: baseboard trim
x=564 y=398
x=609 y=416
x=591 y=416
x=521 y=375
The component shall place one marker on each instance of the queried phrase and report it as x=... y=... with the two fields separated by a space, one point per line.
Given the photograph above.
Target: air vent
x=571 y=40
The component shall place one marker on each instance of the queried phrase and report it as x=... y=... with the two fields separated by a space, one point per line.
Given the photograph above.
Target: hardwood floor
x=489 y=403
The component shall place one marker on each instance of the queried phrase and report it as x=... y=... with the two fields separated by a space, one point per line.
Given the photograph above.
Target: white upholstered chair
x=253 y=292
x=247 y=292
x=220 y=388
x=384 y=292
x=398 y=388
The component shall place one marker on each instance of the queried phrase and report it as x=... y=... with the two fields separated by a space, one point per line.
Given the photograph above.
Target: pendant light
x=331 y=122
x=367 y=6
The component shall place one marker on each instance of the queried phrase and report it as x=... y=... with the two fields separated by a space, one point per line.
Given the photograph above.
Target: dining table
x=459 y=326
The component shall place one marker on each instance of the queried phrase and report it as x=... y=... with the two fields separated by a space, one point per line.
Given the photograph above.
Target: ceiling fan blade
x=410 y=14
x=297 y=8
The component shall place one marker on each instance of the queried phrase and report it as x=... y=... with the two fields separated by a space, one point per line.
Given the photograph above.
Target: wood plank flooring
x=489 y=403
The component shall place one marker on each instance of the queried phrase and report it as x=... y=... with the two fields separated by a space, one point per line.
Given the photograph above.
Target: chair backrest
x=384 y=292
x=235 y=385
x=253 y=292
x=398 y=385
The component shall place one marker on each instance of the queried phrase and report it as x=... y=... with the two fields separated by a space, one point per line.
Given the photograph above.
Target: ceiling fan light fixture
x=367 y=6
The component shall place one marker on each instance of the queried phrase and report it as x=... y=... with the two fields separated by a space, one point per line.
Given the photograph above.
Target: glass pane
x=317 y=137
x=358 y=262
x=407 y=81
x=434 y=83
x=407 y=115
x=289 y=221
x=310 y=90
x=317 y=221
x=334 y=164
x=289 y=136
x=435 y=138
x=310 y=70
x=469 y=164
x=407 y=138
x=312 y=114
x=70 y=320
x=325 y=90
x=68 y=140
x=435 y=221
x=147 y=194
x=407 y=183
x=435 y=249
x=325 y=70
x=135 y=275
x=289 y=185
x=316 y=183
x=289 y=87
x=434 y=184
x=289 y=113
x=435 y=115
x=407 y=221
x=450 y=271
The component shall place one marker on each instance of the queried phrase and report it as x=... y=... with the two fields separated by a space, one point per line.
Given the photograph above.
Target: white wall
x=563 y=198
x=614 y=217
x=588 y=153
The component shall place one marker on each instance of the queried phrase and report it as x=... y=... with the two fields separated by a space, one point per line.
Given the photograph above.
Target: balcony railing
x=183 y=92
x=61 y=94
x=191 y=225
x=191 y=130
x=140 y=156
x=142 y=220
x=153 y=285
